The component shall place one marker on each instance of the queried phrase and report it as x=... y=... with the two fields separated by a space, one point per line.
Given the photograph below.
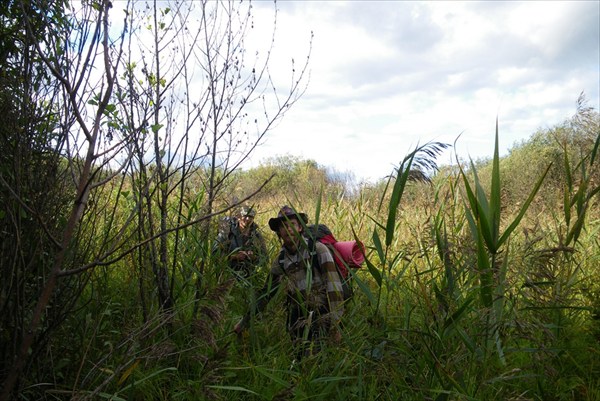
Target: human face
x=246 y=221
x=289 y=232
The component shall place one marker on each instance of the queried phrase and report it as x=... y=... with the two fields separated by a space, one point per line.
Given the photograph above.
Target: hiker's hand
x=239 y=256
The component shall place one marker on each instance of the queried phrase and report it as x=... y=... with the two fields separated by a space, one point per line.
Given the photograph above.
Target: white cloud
x=388 y=75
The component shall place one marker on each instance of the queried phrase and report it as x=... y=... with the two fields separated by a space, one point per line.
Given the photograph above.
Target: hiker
x=314 y=307
x=242 y=242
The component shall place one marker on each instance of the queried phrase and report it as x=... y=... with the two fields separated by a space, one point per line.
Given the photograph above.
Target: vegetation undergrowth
x=480 y=280
x=442 y=310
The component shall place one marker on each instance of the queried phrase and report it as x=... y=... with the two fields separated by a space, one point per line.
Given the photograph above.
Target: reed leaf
x=271 y=374
x=378 y=246
x=468 y=341
x=128 y=372
x=441 y=239
x=397 y=191
x=455 y=317
x=567 y=207
x=318 y=207
x=364 y=287
x=477 y=208
x=331 y=379
x=111 y=397
x=595 y=150
x=233 y=388
x=150 y=376
x=374 y=272
x=500 y=288
x=486 y=275
x=495 y=196
x=484 y=215
x=423 y=158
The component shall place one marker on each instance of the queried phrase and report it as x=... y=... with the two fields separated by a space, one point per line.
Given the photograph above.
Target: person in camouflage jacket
x=242 y=243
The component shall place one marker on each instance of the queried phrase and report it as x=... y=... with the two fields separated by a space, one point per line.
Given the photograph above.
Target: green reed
x=484 y=218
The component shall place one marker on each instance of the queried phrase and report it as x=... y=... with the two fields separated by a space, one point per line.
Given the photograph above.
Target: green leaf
x=574 y=232
x=486 y=275
x=500 y=288
x=592 y=193
x=374 y=272
x=455 y=317
x=150 y=376
x=441 y=240
x=568 y=177
x=111 y=108
x=595 y=150
x=269 y=373
x=378 y=246
x=567 y=206
x=156 y=127
x=233 y=388
x=468 y=341
x=364 y=288
x=495 y=206
x=483 y=215
x=111 y=397
x=397 y=192
x=332 y=379
x=319 y=201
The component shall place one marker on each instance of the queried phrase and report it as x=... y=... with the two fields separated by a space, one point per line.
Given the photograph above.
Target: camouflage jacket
x=231 y=239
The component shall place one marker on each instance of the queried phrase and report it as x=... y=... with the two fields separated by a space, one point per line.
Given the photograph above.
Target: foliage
x=108 y=121
x=577 y=136
x=414 y=330
x=481 y=280
x=34 y=191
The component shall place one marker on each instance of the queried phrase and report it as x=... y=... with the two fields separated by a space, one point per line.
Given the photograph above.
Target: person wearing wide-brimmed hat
x=314 y=290
x=242 y=243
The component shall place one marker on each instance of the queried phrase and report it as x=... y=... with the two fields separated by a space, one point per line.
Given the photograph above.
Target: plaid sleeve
x=335 y=293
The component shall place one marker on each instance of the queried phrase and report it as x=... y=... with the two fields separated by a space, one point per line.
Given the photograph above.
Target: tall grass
x=462 y=297
x=484 y=219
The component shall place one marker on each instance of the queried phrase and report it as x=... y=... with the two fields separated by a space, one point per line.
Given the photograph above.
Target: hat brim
x=275 y=222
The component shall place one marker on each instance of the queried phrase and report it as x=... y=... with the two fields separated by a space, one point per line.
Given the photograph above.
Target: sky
x=386 y=76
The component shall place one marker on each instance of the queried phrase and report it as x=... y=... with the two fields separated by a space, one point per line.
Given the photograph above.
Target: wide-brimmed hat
x=286 y=213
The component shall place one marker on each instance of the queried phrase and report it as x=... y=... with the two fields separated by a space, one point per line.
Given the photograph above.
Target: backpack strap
x=346 y=288
x=312 y=249
x=280 y=260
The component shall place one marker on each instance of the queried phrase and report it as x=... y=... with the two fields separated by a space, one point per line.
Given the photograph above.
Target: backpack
x=346 y=254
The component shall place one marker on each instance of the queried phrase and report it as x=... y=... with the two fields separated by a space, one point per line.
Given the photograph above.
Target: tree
x=33 y=188
x=140 y=107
